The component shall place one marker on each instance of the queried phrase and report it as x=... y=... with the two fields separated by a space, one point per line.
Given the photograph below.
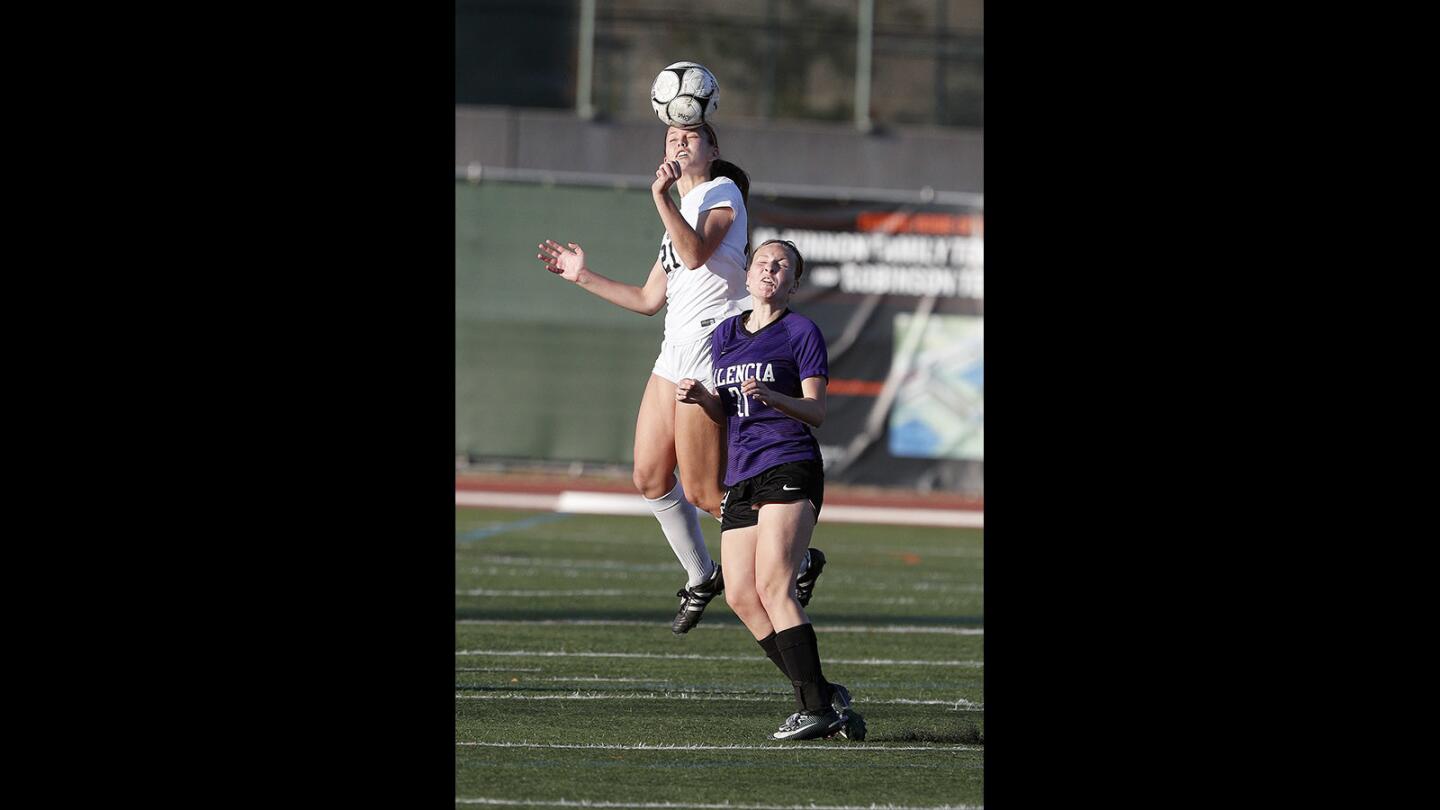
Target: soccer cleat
x=807 y=726
x=853 y=727
x=693 y=602
x=805 y=583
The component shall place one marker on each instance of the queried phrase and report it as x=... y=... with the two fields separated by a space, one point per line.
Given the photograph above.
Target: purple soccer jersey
x=780 y=355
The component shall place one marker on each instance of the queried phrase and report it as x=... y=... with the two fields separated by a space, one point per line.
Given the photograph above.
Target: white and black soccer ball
x=685 y=95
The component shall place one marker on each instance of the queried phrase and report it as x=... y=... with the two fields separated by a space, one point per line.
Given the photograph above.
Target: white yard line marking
x=946 y=630
x=726 y=806
x=498 y=669
x=595 y=592
x=902 y=628
x=697 y=657
x=776 y=747
x=616 y=503
x=957 y=705
x=608 y=679
x=849 y=599
x=546 y=563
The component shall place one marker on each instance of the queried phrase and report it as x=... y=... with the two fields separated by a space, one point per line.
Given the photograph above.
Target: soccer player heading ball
x=768 y=387
x=700 y=278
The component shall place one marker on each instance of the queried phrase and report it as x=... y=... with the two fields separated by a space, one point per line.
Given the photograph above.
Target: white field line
x=903 y=629
x=696 y=657
x=726 y=806
x=500 y=559
x=615 y=503
x=698 y=747
x=498 y=669
x=546 y=563
x=463 y=548
x=528 y=566
x=958 y=705
x=521 y=593
x=598 y=679
x=943 y=630
x=608 y=592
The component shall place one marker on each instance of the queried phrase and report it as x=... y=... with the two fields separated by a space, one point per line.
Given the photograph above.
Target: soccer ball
x=684 y=95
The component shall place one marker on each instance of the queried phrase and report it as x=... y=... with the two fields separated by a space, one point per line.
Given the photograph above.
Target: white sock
x=680 y=521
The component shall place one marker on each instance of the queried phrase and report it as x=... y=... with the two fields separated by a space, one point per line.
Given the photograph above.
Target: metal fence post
x=584 y=104
x=864 y=44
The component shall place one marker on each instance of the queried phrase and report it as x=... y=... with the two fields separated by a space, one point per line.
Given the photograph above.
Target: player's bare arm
x=693 y=247
x=569 y=264
x=694 y=392
x=809 y=408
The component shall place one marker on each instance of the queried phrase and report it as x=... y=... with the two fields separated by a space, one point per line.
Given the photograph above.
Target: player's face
x=771 y=276
x=690 y=148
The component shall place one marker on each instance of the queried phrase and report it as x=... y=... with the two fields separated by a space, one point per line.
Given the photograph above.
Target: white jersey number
x=742 y=403
x=668 y=259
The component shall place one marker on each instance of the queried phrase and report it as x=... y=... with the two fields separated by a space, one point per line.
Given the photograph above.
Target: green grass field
x=571 y=691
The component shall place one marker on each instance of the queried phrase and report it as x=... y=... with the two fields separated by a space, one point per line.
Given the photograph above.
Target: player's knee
x=706 y=500
x=651 y=482
x=775 y=591
x=694 y=498
x=744 y=603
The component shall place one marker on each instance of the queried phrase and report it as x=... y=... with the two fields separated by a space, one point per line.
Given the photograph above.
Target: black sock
x=802 y=660
x=773 y=653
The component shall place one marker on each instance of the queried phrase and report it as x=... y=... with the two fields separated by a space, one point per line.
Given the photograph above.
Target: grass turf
x=562 y=639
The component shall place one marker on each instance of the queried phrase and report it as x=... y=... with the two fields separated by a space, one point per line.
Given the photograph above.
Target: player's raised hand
x=691 y=391
x=563 y=262
x=754 y=388
x=665 y=176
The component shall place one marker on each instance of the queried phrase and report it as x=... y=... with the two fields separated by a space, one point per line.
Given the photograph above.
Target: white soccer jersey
x=697 y=299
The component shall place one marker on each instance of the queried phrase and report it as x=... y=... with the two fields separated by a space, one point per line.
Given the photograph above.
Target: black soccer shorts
x=783 y=483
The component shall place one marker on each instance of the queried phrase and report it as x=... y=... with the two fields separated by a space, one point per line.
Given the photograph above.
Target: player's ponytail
x=724 y=168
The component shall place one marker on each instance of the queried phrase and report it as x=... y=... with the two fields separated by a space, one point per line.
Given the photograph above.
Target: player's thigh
x=782 y=536
x=655 y=436
x=737 y=555
x=700 y=452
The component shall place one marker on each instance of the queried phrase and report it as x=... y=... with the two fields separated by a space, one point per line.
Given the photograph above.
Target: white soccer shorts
x=680 y=360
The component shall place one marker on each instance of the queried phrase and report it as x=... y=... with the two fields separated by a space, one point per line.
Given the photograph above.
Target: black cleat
x=693 y=602
x=806 y=726
x=853 y=725
x=805 y=583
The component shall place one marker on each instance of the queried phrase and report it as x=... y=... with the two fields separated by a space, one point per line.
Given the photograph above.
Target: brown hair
x=724 y=168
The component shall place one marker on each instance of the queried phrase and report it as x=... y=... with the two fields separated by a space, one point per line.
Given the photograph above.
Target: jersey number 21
x=742 y=402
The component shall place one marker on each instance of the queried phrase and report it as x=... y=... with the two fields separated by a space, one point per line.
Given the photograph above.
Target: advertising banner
x=898 y=291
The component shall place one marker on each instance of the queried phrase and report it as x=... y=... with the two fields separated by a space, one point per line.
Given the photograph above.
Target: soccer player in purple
x=768 y=387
